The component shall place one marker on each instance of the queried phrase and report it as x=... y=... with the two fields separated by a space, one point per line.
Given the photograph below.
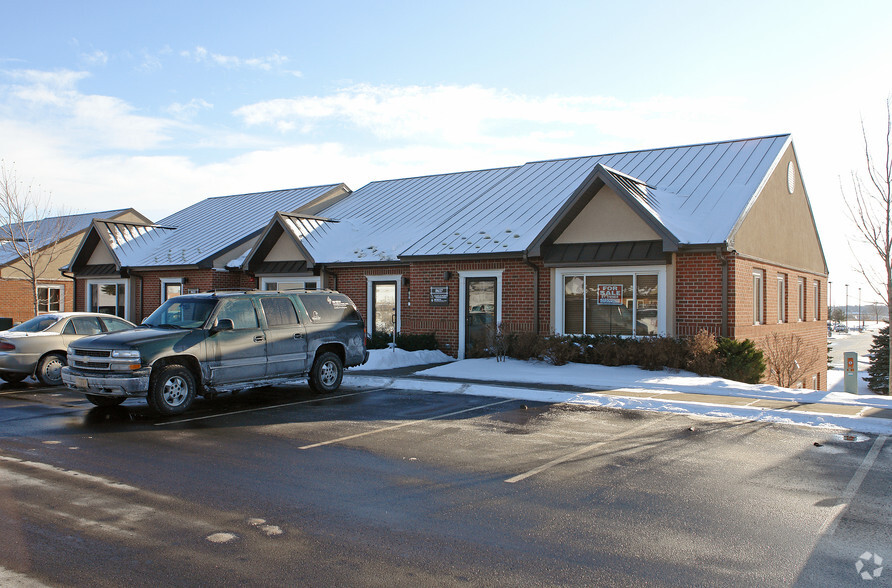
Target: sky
x=158 y=105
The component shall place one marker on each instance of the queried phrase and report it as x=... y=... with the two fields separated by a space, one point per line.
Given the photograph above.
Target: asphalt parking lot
x=380 y=486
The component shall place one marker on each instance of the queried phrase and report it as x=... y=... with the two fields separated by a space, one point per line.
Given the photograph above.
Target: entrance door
x=384 y=307
x=480 y=315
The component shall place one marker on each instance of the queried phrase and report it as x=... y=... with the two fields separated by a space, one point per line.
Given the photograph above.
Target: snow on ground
x=540 y=375
x=388 y=359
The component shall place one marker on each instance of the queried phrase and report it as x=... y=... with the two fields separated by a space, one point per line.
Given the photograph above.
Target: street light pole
x=860 y=318
x=847 y=308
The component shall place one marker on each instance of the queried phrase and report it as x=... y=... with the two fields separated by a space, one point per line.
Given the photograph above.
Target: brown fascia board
x=584 y=194
x=465 y=256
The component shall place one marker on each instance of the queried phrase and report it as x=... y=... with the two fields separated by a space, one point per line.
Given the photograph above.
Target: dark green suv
x=206 y=344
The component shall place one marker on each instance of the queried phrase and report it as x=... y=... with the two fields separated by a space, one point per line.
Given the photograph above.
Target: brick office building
x=54 y=239
x=717 y=236
x=130 y=268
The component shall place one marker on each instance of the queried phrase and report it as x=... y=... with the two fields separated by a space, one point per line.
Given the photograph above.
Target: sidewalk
x=859 y=416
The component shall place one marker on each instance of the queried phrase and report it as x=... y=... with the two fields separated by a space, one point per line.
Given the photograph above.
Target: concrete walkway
x=409 y=377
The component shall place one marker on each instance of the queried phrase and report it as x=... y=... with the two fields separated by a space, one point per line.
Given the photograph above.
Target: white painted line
x=37 y=465
x=405 y=424
x=581 y=451
x=829 y=526
x=224 y=414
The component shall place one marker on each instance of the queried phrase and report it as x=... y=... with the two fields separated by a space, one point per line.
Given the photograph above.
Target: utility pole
x=847 y=308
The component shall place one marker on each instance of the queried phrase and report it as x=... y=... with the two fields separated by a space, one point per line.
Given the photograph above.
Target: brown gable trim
x=615 y=253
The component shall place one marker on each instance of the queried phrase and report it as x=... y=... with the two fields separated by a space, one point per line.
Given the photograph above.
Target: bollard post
x=850 y=378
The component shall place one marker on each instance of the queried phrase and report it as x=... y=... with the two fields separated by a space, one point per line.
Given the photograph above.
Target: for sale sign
x=610 y=294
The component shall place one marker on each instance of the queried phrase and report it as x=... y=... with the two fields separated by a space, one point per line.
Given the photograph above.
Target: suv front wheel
x=327 y=373
x=172 y=390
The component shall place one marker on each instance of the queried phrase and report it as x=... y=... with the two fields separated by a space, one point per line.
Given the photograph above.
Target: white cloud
x=189 y=109
x=95 y=57
x=202 y=55
x=50 y=101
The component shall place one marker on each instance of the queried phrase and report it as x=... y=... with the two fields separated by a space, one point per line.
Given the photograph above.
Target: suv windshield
x=37 y=324
x=182 y=313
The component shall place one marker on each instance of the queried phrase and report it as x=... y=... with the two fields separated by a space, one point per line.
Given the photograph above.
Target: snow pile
x=630 y=377
x=388 y=359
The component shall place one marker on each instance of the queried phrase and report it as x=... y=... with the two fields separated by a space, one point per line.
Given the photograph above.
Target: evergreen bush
x=743 y=361
x=878 y=371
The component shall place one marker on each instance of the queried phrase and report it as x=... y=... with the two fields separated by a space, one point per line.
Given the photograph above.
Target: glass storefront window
x=108 y=298
x=611 y=304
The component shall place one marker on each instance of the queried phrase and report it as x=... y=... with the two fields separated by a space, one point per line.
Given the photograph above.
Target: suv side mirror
x=222 y=325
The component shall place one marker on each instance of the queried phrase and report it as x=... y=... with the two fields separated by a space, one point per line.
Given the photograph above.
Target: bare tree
x=30 y=229
x=870 y=206
x=787 y=358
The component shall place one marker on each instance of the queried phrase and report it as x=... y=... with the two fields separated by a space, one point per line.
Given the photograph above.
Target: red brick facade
x=17 y=298
x=697 y=293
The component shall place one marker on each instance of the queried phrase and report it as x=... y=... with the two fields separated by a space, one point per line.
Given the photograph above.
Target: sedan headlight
x=125 y=353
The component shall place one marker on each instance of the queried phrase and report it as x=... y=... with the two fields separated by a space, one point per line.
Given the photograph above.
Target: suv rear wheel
x=327 y=373
x=172 y=390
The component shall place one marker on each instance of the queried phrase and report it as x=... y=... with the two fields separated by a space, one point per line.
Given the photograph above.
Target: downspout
x=526 y=260
x=73 y=290
x=724 y=261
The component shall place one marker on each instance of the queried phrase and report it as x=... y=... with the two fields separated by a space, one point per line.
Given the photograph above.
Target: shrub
x=407 y=342
x=702 y=359
x=743 y=361
x=523 y=345
x=559 y=350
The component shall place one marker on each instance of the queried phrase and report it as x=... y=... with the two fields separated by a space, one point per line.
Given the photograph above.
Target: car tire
x=13 y=377
x=326 y=374
x=105 y=400
x=49 y=369
x=172 y=390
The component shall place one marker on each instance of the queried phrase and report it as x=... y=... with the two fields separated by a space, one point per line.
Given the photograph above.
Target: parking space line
x=318 y=399
x=582 y=451
x=406 y=424
x=832 y=521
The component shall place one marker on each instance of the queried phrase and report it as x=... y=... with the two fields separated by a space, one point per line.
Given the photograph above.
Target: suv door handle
x=258 y=338
x=298 y=336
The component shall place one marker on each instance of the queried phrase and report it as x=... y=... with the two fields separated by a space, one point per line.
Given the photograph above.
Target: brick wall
x=417 y=315
x=698 y=293
x=812 y=332
x=146 y=295
x=17 y=298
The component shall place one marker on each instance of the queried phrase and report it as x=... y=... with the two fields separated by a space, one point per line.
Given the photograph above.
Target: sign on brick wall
x=439 y=296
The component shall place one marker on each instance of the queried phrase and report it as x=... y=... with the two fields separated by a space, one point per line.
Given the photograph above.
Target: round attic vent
x=791 y=178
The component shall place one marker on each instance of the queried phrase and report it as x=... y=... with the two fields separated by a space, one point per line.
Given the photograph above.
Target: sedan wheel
x=49 y=369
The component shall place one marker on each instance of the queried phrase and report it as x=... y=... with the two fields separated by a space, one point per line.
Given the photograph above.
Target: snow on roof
x=207 y=228
x=382 y=219
x=698 y=192
x=45 y=231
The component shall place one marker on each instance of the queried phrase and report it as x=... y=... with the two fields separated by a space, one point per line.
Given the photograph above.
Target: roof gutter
x=719 y=253
x=73 y=289
x=535 y=268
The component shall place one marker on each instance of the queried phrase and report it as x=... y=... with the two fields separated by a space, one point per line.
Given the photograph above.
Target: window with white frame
x=291 y=283
x=49 y=298
x=758 y=297
x=170 y=288
x=817 y=297
x=108 y=296
x=614 y=302
x=781 y=298
x=801 y=299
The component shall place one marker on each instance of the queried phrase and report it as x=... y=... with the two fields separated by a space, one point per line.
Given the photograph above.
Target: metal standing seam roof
x=205 y=229
x=697 y=192
x=43 y=232
x=378 y=222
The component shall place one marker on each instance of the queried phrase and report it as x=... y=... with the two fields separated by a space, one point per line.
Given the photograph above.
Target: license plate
x=80 y=382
